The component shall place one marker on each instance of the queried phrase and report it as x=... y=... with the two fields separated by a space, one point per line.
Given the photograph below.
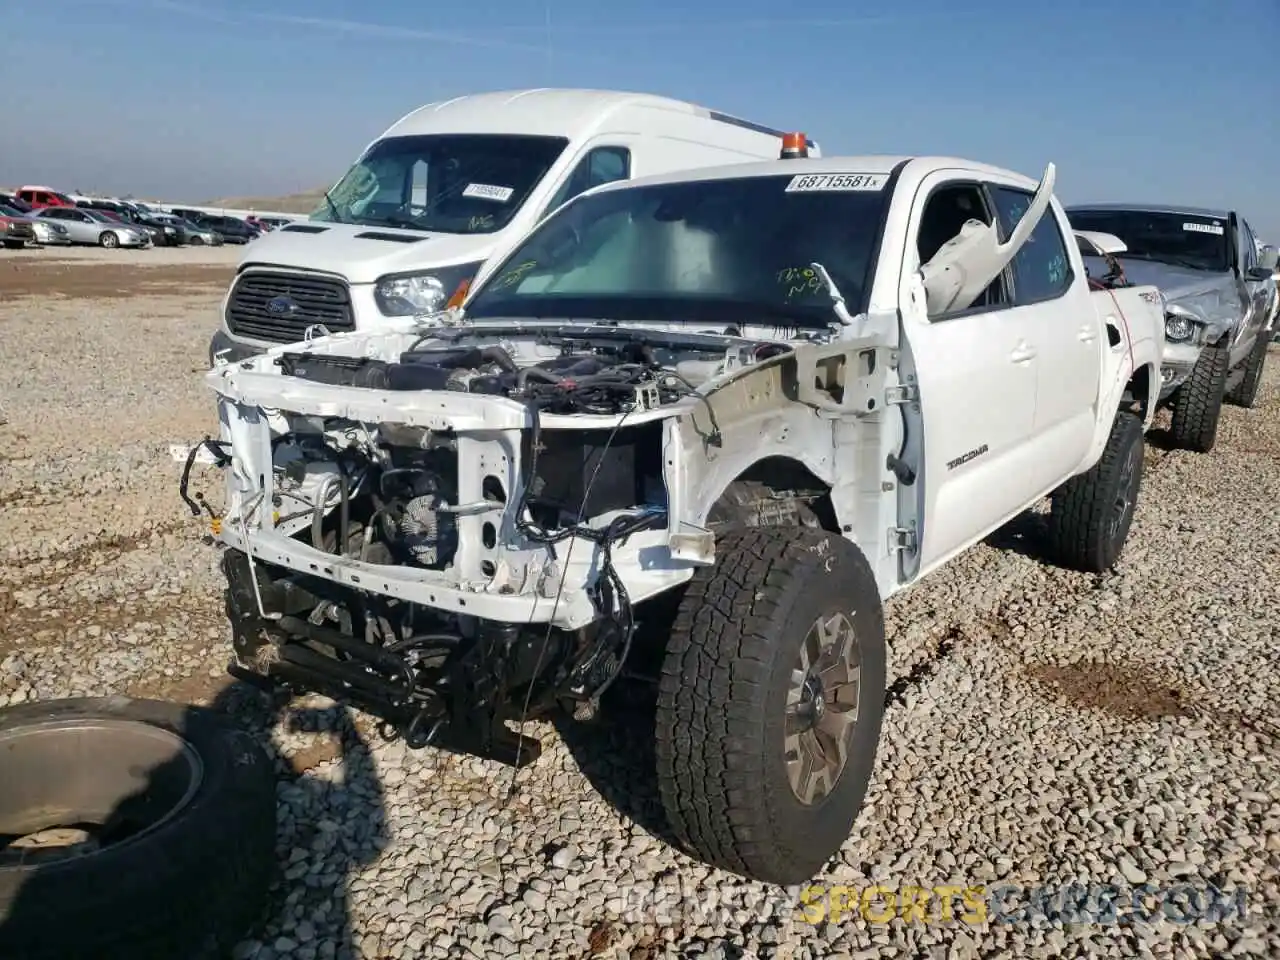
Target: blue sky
x=1159 y=100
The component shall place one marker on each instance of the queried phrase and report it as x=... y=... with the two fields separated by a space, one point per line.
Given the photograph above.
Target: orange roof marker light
x=459 y=295
x=795 y=146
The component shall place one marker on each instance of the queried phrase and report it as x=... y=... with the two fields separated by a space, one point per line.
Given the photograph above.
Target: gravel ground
x=1044 y=727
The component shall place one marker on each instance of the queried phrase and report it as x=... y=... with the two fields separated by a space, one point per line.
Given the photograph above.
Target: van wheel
x=1090 y=514
x=1197 y=404
x=770 y=702
x=130 y=828
x=1245 y=393
x=108 y=239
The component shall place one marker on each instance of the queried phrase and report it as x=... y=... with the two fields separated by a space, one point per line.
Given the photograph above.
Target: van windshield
x=723 y=252
x=449 y=183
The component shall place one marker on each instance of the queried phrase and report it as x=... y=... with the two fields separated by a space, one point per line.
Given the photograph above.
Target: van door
x=975 y=371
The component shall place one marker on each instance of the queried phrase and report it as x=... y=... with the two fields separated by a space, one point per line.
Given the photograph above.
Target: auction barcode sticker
x=1214 y=228
x=487 y=191
x=837 y=182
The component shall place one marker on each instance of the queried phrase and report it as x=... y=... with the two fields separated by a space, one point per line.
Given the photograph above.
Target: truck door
x=975 y=371
x=1052 y=311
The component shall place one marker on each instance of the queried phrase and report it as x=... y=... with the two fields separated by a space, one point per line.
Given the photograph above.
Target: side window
x=947 y=210
x=602 y=165
x=1042 y=269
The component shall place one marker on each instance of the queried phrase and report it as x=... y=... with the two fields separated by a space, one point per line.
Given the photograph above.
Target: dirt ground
x=80 y=273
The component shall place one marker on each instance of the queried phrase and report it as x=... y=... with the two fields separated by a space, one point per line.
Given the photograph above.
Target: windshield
x=1180 y=239
x=715 y=251
x=451 y=183
x=8 y=211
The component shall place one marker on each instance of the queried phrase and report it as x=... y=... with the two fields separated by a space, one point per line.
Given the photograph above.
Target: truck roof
x=549 y=111
x=1152 y=208
x=871 y=163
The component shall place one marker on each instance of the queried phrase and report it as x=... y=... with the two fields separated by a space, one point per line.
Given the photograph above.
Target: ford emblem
x=279 y=306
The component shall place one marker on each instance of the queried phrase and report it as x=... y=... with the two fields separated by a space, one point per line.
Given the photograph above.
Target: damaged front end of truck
x=451 y=529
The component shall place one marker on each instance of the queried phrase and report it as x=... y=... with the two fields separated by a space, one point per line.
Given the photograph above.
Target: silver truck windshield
x=446 y=183
x=713 y=251
x=1179 y=239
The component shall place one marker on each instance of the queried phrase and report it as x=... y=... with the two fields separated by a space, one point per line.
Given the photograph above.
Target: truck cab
x=451 y=185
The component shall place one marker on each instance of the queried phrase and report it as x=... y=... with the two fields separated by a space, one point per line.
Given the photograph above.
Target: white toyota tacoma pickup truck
x=739 y=406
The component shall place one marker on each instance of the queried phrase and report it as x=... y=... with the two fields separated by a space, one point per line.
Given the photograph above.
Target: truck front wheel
x=1197 y=405
x=1090 y=514
x=770 y=702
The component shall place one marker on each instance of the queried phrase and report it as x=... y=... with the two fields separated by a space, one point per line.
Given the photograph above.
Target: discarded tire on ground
x=130 y=828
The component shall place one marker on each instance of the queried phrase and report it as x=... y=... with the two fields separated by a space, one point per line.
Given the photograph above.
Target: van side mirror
x=1268 y=258
x=967 y=263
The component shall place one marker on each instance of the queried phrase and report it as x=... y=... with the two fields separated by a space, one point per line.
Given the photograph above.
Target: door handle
x=1023 y=353
x=1087 y=334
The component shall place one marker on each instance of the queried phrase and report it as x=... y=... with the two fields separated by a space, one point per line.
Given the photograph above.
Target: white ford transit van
x=451 y=185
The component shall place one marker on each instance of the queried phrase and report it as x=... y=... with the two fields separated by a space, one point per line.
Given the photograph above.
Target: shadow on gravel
x=615 y=752
x=328 y=829
x=1161 y=439
x=1026 y=534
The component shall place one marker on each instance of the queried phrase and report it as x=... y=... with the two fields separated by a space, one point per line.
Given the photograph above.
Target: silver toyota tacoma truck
x=1218 y=286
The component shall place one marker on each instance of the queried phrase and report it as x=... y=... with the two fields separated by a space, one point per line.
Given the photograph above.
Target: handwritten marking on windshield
x=515 y=274
x=799 y=281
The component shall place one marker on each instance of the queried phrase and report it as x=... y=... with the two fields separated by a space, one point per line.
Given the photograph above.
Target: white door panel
x=977 y=383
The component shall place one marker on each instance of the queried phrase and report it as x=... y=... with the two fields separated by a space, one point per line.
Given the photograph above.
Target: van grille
x=279 y=307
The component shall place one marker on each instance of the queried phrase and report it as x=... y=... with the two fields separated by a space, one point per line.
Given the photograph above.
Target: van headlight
x=1179 y=324
x=412 y=294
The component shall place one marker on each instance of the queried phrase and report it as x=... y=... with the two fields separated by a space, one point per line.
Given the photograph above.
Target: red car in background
x=40 y=197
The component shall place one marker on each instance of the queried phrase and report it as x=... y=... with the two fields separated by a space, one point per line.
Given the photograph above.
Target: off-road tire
x=1245 y=392
x=1197 y=405
x=1090 y=515
x=187 y=889
x=108 y=239
x=721 y=698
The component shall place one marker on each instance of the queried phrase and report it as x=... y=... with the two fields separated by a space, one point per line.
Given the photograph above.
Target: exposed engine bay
x=450 y=574
x=558 y=371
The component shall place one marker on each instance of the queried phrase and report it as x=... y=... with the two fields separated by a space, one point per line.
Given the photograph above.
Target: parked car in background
x=200 y=236
x=95 y=228
x=40 y=197
x=16 y=231
x=233 y=230
x=16 y=202
x=1218 y=296
x=47 y=233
